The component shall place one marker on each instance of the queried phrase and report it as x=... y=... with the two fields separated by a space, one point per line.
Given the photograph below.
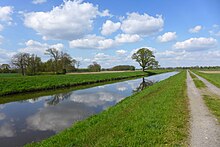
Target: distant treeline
x=195 y=67
x=120 y=68
x=59 y=63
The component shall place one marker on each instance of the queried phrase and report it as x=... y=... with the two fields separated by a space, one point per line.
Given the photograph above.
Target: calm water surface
x=38 y=118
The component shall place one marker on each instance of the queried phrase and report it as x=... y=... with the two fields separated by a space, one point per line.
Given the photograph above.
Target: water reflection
x=55 y=99
x=145 y=83
x=38 y=118
x=2 y=116
x=7 y=130
x=59 y=117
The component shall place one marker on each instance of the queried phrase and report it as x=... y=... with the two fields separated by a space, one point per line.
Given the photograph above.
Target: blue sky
x=181 y=33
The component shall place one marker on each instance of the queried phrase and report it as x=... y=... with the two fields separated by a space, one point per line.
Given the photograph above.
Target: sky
x=180 y=33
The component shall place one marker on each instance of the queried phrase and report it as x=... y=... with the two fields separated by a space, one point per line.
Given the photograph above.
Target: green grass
x=3 y=75
x=16 y=84
x=199 y=84
x=214 y=78
x=157 y=116
x=213 y=104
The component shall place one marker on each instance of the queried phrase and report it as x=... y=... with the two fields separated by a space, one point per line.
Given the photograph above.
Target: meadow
x=214 y=78
x=13 y=84
x=156 y=116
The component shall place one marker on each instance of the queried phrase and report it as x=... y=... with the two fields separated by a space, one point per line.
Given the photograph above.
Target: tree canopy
x=145 y=58
x=95 y=67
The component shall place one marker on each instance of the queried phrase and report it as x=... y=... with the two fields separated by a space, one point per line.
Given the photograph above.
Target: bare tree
x=78 y=63
x=34 y=63
x=54 y=53
x=20 y=60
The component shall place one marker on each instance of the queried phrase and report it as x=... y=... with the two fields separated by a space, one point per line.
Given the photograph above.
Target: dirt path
x=212 y=88
x=204 y=131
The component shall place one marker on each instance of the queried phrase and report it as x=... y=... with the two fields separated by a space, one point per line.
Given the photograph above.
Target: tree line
x=61 y=63
x=31 y=64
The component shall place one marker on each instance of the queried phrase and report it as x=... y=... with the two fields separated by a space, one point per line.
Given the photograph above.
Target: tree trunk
x=22 y=71
x=142 y=68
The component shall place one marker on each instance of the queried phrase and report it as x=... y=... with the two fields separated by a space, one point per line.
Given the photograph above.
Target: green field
x=214 y=78
x=157 y=116
x=7 y=75
x=199 y=84
x=17 y=84
x=213 y=103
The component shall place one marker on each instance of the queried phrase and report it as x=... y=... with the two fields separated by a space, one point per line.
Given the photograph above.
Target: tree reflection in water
x=57 y=98
x=144 y=84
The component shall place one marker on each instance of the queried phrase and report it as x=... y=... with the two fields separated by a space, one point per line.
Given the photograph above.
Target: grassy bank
x=199 y=84
x=214 y=78
x=19 y=84
x=156 y=116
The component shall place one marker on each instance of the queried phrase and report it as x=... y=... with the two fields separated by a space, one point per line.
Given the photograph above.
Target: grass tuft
x=199 y=84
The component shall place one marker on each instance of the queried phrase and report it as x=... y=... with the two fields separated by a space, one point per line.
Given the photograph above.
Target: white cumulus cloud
x=35 y=47
x=145 y=24
x=110 y=27
x=5 y=13
x=71 y=20
x=99 y=42
x=196 y=29
x=126 y=38
x=121 y=52
x=166 y=37
x=105 y=13
x=92 y=42
x=196 y=44
x=39 y=1
x=6 y=56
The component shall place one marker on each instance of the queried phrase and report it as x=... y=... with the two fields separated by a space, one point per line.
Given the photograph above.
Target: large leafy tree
x=145 y=58
x=66 y=62
x=5 y=68
x=95 y=67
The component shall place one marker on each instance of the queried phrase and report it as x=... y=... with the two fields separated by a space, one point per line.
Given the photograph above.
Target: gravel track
x=204 y=130
x=212 y=88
